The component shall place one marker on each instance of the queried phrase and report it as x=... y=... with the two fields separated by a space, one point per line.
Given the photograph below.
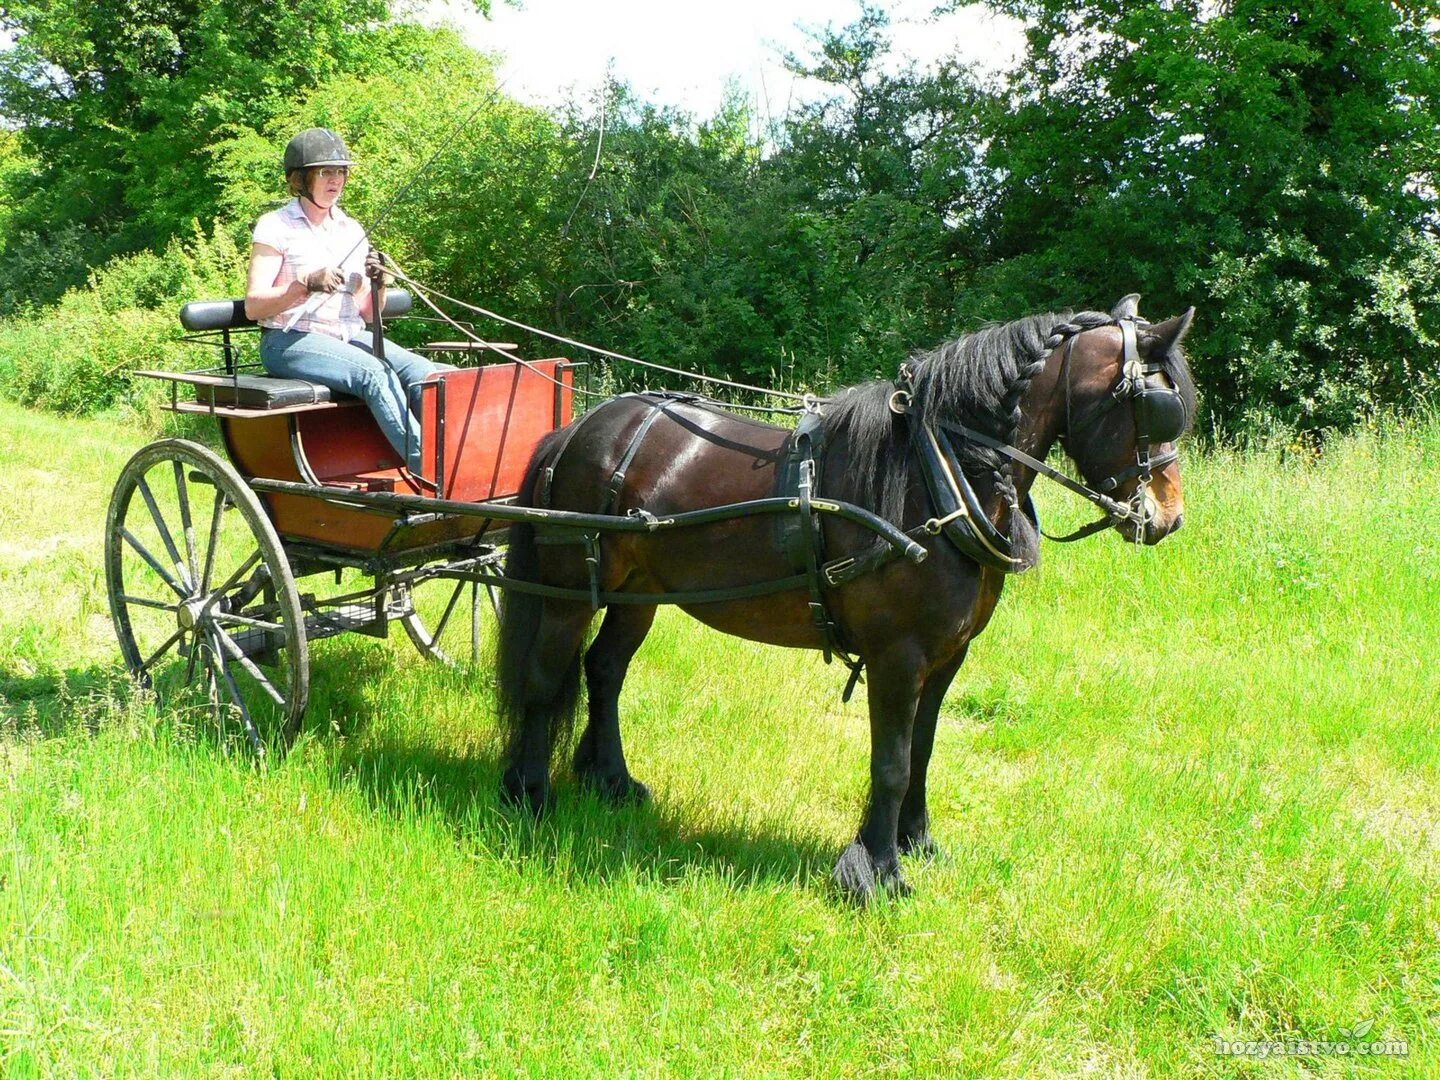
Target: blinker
x=1166 y=419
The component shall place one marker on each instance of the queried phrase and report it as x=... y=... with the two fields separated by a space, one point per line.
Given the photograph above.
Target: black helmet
x=316 y=146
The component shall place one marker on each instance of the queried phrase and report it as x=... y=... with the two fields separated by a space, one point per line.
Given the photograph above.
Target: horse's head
x=1127 y=398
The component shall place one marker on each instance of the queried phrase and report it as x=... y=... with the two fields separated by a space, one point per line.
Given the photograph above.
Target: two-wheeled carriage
x=205 y=571
x=206 y=555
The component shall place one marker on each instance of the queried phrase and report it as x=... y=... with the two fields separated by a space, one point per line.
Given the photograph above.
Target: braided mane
x=978 y=379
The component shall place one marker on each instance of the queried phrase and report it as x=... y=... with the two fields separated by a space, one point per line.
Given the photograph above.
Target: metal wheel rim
x=462 y=611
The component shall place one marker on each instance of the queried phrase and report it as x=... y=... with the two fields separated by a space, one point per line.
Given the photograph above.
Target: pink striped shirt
x=337 y=241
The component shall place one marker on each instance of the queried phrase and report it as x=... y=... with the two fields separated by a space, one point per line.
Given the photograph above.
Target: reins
x=808 y=402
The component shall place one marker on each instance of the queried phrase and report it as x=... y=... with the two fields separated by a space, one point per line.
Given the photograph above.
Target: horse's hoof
x=533 y=796
x=626 y=791
x=621 y=790
x=922 y=845
x=855 y=875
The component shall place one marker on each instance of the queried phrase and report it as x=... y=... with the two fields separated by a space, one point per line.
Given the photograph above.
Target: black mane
x=977 y=379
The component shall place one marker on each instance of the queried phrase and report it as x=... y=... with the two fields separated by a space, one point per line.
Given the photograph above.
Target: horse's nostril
x=1179 y=523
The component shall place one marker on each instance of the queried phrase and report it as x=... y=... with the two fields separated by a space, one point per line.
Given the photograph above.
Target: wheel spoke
x=235 y=696
x=141 y=550
x=212 y=682
x=238 y=655
x=182 y=490
x=162 y=528
x=220 y=500
x=229 y=617
x=146 y=602
x=231 y=581
x=195 y=650
x=161 y=651
x=474 y=624
x=450 y=607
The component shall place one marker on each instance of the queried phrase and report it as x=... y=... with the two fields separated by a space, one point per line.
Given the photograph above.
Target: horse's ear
x=1170 y=332
x=1127 y=308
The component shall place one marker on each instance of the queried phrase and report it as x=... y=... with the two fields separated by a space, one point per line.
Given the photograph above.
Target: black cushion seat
x=262 y=392
x=265 y=392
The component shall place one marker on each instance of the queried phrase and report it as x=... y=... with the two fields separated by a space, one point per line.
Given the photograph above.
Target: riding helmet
x=314 y=147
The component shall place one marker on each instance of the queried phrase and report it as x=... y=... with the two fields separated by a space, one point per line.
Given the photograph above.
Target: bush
x=73 y=358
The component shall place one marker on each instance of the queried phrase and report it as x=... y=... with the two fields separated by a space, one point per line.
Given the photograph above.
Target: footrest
x=357 y=617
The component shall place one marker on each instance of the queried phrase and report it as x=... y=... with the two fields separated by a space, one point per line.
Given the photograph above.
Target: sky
x=685 y=53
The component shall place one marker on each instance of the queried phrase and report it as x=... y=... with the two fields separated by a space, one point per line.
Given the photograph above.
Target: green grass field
x=1186 y=794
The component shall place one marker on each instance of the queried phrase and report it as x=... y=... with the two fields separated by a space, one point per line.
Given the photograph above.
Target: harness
x=1160 y=417
x=802 y=538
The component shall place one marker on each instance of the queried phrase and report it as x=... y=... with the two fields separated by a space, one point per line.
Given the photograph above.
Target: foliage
x=72 y=358
x=1274 y=167
x=117 y=102
x=1272 y=164
x=822 y=262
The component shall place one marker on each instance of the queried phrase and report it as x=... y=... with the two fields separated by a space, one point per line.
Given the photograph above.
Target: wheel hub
x=189 y=613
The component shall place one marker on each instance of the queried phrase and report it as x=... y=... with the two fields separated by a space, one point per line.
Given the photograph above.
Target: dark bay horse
x=1029 y=384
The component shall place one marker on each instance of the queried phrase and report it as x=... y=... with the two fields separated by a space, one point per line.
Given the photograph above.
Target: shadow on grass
x=54 y=702
x=582 y=837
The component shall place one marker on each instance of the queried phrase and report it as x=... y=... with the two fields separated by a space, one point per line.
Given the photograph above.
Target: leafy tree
x=1271 y=162
x=887 y=164
x=823 y=261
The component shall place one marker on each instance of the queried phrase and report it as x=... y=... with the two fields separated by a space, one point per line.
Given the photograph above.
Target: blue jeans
x=351 y=368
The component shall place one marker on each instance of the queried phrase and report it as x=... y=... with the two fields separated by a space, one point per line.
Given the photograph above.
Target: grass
x=1185 y=794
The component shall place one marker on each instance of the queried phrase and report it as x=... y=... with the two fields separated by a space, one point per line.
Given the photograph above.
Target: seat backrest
x=201 y=315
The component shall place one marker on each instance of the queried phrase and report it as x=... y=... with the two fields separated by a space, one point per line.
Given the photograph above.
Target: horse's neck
x=1040 y=416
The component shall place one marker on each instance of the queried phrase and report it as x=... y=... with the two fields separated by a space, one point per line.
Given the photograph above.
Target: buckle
x=833 y=572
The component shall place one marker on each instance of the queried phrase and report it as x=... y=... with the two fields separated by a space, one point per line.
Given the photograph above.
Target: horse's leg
x=543 y=702
x=600 y=757
x=914 y=828
x=873 y=860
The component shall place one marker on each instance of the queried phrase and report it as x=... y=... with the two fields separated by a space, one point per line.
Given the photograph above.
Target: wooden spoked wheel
x=447 y=621
x=202 y=596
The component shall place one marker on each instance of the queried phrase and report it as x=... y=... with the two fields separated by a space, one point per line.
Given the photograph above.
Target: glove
x=375 y=264
x=326 y=279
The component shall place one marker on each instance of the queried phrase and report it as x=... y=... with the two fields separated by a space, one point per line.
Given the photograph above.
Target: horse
x=1016 y=389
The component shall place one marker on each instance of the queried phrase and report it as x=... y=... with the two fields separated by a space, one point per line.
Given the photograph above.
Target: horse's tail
x=522 y=683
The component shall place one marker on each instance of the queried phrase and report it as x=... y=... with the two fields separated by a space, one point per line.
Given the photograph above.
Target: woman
x=309 y=290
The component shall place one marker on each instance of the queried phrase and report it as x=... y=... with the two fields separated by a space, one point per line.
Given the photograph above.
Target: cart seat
x=265 y=393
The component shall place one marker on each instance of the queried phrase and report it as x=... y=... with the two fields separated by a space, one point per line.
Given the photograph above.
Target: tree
x=823 y=261
x=1270 y=162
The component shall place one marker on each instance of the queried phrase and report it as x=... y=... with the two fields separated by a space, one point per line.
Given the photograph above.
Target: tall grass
x=1185 y=794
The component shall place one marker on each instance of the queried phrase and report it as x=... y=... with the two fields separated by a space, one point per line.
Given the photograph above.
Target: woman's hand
x=326 y=279
x=375 y=266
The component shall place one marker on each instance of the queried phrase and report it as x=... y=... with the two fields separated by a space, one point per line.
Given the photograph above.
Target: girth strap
x=812 y=547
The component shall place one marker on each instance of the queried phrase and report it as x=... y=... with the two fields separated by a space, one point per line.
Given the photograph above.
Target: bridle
x=1160 y=412
x=1161 y=416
